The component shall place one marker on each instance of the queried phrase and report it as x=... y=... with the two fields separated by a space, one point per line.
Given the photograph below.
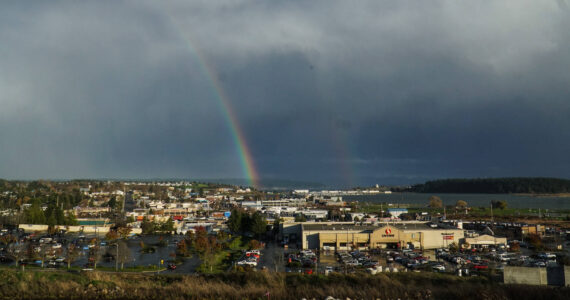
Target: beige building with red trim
x=348 y=236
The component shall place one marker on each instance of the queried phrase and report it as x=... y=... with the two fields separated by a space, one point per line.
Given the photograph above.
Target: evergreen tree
x=168 y=225
x=51 y=220
x=276 y=225
x=35 y=214
x=235 y=221
x=245 y=222
x=70 y=219
x=112 y=203
x=59 y=216
x=258 y=224
x=147 y=226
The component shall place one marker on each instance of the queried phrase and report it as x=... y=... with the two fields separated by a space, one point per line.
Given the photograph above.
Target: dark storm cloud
x=330 y=91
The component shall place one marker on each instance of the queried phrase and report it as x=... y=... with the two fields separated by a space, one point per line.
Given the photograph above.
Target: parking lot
x=470 y=262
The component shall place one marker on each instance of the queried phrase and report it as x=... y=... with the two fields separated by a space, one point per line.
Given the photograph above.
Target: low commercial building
x=526 y=230
x=484 y=241
x=396 y=212
x=192 y=226
x=315 y=214
x=252 y=205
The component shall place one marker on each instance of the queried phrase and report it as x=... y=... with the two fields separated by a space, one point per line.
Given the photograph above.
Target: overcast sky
x=338 y=92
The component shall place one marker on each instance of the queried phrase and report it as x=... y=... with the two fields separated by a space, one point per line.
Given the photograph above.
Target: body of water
x=473 y=200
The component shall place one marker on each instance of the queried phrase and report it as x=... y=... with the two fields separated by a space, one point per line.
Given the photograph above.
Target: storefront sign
x=388 y=232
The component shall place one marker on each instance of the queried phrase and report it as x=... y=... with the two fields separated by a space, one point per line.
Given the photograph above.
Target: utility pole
x=117 y=257
x=124 y=198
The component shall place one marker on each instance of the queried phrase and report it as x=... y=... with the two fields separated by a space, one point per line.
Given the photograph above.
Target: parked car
x=52 y=264
x=353 y=262
x=440 y=268
x=540 y=264
x=252 y=263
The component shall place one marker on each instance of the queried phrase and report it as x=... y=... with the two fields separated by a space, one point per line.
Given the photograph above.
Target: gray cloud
x=328 y=91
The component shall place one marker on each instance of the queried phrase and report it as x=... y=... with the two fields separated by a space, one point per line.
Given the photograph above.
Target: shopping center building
x=348 y=236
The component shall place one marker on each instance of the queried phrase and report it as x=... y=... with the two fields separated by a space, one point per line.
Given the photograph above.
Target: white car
x=247 y=263
x=440 y=268
x=547 y=256
x=540 y=264
x=352 y=263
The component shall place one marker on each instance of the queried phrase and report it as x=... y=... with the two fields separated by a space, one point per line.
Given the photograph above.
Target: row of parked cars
x=543 y=259
x=498 y=260
x=250 y=258
x=468 y=260
x=303 y=258
x=355 y=259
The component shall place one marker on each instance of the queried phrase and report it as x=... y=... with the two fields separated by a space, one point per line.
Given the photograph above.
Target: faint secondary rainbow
x=341 y=145
x=246 y=159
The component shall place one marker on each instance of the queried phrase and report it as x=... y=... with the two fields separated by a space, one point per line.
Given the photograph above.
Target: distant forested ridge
x=514 y=185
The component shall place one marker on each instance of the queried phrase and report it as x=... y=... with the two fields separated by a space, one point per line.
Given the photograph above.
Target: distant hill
x=513 y=185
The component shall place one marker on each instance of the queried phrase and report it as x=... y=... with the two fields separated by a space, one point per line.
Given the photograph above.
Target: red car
x=480 y=267
x=172 y=266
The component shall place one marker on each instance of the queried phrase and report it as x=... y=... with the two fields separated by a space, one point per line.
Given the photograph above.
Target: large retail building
x=348 y=236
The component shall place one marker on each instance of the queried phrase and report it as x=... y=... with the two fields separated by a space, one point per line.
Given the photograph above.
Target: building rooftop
x=369 y=227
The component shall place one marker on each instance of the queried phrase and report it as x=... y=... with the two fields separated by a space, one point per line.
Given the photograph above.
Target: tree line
x=241 y=221
x=149 y=226
x=52 y=215
x=511 y=185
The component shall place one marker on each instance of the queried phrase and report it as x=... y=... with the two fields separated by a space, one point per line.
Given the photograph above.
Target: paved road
x=187 y=267
x=272 y=257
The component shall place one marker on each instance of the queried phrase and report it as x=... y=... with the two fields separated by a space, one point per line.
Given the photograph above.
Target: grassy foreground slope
x=100 y=285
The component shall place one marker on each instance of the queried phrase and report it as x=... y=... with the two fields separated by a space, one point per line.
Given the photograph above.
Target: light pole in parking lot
x=346 y=245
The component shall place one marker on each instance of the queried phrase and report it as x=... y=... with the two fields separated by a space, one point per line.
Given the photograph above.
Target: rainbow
x=243 y=151
x=341 y=145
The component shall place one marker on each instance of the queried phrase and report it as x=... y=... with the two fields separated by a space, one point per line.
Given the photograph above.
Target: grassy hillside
x=99 y=285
